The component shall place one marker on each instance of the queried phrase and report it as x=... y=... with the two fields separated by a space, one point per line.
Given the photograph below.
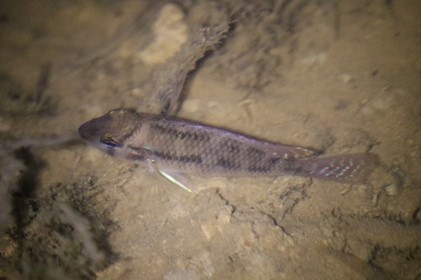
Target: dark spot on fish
x=175 y=133
x=229 y=146
x=164 y=129
x=255 y=154
x=254 y=168
x=291 y=167
x=227 y=164
x=110 y=151
x=184 y=158
x=190 y=158
x=198 y=136
x=181 y=135
x=264 y=166
x=274 y=161
x=165 y=156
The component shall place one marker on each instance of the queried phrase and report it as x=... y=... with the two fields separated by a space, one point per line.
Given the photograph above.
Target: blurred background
x=339 y=76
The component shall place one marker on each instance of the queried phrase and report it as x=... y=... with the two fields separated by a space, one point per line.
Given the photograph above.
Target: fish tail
x=351 y=168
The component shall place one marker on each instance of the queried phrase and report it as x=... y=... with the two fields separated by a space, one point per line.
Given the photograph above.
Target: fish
x=175 y=147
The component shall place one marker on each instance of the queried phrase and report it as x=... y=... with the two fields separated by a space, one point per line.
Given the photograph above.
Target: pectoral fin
x=176 y=178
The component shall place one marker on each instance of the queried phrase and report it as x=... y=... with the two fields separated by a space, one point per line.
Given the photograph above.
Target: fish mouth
x=91 y=131
x=85 y=131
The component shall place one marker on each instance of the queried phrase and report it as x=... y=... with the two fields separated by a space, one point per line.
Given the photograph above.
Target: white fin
x=174 y=178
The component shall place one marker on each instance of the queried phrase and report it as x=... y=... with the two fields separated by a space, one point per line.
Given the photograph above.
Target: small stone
x=224 y=218
x=410 y=142
x=345 y=78
x=391 y=189
x=170 y=32
x=314 y=59
x=137 y=92
x=212 y=104
x=208 y=230
x=192 y=105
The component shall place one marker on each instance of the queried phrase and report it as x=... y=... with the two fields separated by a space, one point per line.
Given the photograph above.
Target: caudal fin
x=351 y=168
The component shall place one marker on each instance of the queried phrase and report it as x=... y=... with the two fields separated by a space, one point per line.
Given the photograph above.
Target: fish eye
x=110 y=141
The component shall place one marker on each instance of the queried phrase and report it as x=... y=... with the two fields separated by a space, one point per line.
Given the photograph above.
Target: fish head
x=109 y=132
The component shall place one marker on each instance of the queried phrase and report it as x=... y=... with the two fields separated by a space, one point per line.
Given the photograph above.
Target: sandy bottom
x=338 y=76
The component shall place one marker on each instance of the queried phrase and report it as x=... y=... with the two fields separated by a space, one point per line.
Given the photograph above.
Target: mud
x=337 y=76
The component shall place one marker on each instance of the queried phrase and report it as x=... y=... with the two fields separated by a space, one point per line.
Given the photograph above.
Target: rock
x=170 y=32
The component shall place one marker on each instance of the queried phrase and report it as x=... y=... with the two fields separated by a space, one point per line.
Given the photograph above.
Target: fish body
x=175 y=145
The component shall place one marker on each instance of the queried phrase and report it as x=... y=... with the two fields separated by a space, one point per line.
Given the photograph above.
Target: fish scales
x=201 y=149
x=181 y=146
